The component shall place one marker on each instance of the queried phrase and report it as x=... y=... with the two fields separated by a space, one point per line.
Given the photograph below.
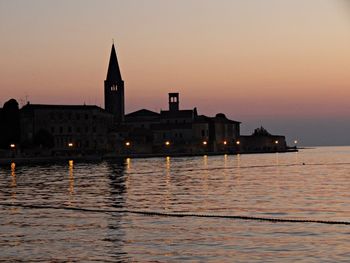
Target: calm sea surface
x=263 y=185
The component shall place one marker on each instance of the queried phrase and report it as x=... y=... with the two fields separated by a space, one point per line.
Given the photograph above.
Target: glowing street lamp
x=238 y=142
x=205 y=142
x=276 y=142
x=296 y=142
x=70 y=144
x=127 y=144
x=12 y=145
x=167 y=143
x=225 y=142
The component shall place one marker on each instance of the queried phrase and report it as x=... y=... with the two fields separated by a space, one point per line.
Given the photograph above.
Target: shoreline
x=99 y=158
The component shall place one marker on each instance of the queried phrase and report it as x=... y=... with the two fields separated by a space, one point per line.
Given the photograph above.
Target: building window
x=164 y=135
x=61 y=129
x=78 y=116
x=86 y=116
x=94 y=129
x=180 y=135
x=86 y=129
x=52 y=129
x=60 y=116
x=78 y=129
x=203 y=133
x=69 y=129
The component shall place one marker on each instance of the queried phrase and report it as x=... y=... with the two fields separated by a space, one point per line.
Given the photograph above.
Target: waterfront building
x=82 y=128
x=91 y=129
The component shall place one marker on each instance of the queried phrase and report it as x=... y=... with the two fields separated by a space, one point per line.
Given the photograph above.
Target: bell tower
x=173 y=101
x=114 y=89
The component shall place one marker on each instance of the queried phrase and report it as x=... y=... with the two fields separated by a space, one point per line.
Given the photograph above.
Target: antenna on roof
x=113 y=41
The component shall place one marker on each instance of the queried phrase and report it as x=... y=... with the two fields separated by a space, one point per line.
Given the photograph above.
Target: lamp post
x=13 y=149
x=238 y=148
x=295 y=144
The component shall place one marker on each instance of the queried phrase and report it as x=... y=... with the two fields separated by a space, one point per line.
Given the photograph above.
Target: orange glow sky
x=281 y=64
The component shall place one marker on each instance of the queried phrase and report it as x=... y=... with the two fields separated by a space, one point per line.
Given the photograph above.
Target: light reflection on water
x=269 y=185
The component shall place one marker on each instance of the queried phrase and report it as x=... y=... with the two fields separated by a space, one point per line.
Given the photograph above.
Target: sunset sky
x=283 y=64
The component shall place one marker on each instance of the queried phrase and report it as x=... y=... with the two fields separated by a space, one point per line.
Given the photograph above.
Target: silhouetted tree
x=44 y=139
x=9 y=124
x=261 y=132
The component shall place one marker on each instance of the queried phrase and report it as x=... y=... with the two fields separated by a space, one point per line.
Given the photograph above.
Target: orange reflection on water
x=128 y=164
x=13 y=185
x=168 y=196
x=71 y=177
x=13 y=175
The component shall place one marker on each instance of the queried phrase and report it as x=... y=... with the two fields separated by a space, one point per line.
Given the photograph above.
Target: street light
x=70 y=144
x=225 y=142
x=127 y=144
x=276 y=142
x=12 y=145
x=167 y=143
x=296 y=142
x=205 y=142
x=238 y=142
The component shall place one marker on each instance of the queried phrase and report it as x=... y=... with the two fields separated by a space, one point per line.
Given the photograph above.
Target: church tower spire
x=114 y=89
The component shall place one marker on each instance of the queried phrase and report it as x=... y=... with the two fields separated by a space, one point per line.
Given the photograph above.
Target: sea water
x=309 y=184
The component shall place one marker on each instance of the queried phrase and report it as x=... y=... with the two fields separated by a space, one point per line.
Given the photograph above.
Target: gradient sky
x=283 y=64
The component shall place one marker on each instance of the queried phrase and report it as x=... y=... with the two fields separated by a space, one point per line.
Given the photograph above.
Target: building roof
x=220 y=117
x=176 y=114
x=202 y=119
x=171 y=126
x=113 y=73
x=143 y=113
x=59 y=107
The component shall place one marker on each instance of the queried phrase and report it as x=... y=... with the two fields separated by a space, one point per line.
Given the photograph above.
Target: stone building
x=79 y=128
x=260 y=144
x=91 y=129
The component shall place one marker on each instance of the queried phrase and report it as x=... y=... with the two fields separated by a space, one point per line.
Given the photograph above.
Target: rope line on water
x=240 y=167
x=177 y=214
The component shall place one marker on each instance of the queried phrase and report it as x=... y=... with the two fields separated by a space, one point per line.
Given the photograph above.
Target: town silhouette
x=82 y=130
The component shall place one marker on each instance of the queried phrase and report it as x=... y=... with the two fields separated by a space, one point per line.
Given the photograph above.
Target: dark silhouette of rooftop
x=143 y=112
x=113 y=73
x=58 y=107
